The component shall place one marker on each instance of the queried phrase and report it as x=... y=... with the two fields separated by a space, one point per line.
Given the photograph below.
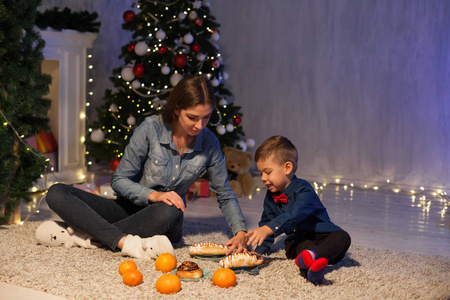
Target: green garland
x=66 y=19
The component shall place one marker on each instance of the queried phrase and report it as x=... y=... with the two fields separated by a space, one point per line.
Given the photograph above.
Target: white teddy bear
x=54 y=233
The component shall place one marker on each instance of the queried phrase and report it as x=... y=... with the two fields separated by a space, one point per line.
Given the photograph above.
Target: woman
x=164 y=157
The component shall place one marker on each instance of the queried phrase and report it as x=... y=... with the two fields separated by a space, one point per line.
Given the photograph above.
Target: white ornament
x=127 y=74
x=242 y=145
x=188 y=38
x=175 y=78
x=113 y=108
x=223 y=102
x=141 y=48
x=215 y=36
x=197 y=4
x=97 y=136
x=165 y=70
x=220 y=129
x=181 y=16
x=230 y=127
x=250 y=142
x=193 y=15
x=136 y=84
x=160 y=34
x=201 y=56
x=131 y=120
x=225 y=76
x=215 y=82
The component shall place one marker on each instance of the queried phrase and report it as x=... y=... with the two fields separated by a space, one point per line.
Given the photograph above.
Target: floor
x=382 y=218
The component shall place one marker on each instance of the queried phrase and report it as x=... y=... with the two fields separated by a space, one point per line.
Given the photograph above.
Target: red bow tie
x=280 y=198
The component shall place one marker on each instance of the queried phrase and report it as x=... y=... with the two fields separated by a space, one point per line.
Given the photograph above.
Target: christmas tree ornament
x=197 y=4
x=131 y=46
x=127 y=74
x=198 y=22
x=131 y=121
x=215 y=82
x=250 y=142
x=97 y=136
x=138 y=70
x=141 y=48
x=220 y=129
x=223 y=102
x=160 y=34
x=196 y=48
x=165 y=70
x=215 y=63
x=193 y=15
x=113 y=108
x=136 y=84
x=128 y=16
x=175 y=78
x=180 y=60
x=242 y=145
x=188 y=38
x=181 y=16
x=113 y=163
x=237 y=120
x=201 y=57
x=230 y=127
x=215 y=36
x=162 y=49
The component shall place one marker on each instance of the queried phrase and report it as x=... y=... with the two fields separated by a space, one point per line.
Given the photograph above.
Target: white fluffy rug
x=77 y=273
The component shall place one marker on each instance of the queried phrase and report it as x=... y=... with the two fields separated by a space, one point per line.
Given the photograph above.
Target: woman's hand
x=238 y=242
x=170 y=198
x=258 y=235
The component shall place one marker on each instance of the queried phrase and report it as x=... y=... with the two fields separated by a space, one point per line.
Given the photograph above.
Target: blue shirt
x=303 y=212
x=151 y=162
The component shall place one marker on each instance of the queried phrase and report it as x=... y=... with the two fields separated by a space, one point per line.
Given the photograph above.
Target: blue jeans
x=109 y=220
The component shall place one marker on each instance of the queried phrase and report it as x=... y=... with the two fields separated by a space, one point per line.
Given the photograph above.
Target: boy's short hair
x=282 y=149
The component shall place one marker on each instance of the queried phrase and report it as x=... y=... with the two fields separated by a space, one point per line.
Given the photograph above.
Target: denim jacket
x=151 y=162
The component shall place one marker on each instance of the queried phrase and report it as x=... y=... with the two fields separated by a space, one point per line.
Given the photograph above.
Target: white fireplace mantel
x=69 y=49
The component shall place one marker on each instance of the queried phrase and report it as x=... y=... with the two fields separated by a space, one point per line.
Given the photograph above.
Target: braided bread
x=237 y=260
x=208 y=249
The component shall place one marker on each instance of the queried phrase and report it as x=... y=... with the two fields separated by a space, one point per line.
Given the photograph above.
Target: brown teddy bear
x=238 y=165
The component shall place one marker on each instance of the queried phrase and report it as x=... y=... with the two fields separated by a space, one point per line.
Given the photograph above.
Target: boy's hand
x=238 y=242
x=258 y=235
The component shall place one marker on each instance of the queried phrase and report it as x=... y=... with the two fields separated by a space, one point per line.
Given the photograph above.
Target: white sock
x=132 y=246
x=157 y=244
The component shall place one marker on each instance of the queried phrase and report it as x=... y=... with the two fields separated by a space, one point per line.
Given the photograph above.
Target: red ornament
x=162 y=49
x=138 y=70
x=215 y=64
x=237 y=120
x=180 y=60
x=113 y=163
x=131 y=46
x=196 y=48
x=128 y=16
x=199 y=22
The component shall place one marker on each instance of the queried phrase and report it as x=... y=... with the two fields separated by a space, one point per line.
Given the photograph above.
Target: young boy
x=291 y=206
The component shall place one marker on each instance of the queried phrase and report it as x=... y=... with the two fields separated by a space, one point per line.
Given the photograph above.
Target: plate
x=210 y=257
x=249 y=270
x=206 y=275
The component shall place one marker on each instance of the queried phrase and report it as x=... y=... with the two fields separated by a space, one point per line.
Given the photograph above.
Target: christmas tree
x=171 y=39
x=23 y=109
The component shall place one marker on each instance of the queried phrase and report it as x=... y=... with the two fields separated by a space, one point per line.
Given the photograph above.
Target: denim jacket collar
x=167 y=139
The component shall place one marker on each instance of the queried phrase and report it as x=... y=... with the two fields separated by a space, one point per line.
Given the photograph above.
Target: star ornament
x=197 y=4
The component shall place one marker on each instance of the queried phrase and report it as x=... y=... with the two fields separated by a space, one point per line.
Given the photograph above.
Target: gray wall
x=361 y=87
